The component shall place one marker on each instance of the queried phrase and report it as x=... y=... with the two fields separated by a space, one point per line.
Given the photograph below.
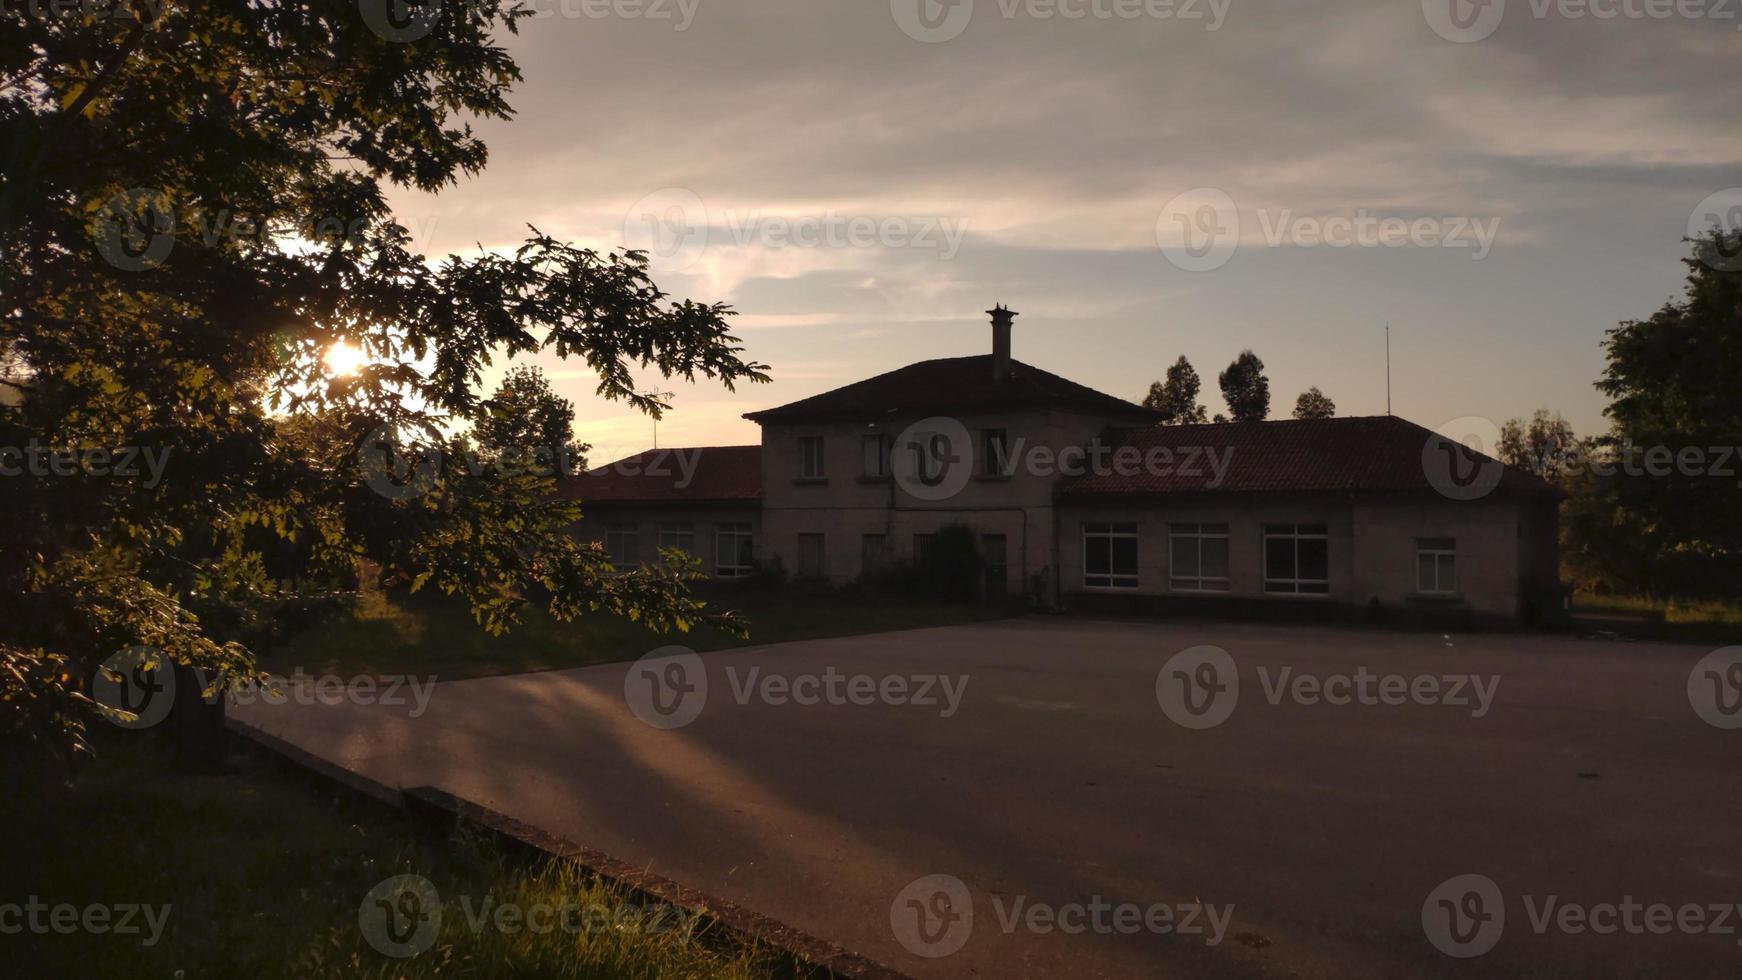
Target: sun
x=342 y=358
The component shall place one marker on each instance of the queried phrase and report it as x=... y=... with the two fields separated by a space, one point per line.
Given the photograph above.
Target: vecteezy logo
x=667 y=688
x=1464 y=21
x=1199 y=230
x=933 y=459
x=933 y=916
x=1464 y=916
x=1721 y=212
x=1457 y=460
x=134 y=230
x=932 y=21
x=136 y=687
x=1198 y=687
x=391 y=472
x=1715 y=688
x=401 y=21
x=671 y=225
x=401 y=916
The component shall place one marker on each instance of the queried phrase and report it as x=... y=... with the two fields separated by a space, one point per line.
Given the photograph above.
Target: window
x=810 y=556
x=1110 y=556
x=680 y=536
x=876 y=451
x=873 y=555
x=994 y=452
x=734 y=553
x=1297 y=559
x=810 y=458
x=1436 y=566
x=1198 y=557
x=621 y=544
x=995 y=552
x=921 y=547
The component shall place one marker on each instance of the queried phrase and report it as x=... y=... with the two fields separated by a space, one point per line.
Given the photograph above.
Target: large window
x=1198 y=557
x=876 y=451
x=1297 y=559
x=680 y=536
x=810 y=458
x=1110 y=556
x=622 y=544
x=994 y=452
x=734 y=551
x=1436 y=566
x=995 y=552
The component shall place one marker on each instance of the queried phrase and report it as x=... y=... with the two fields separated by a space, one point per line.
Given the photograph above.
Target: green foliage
x=1544 y=446
x=526 y=425
x=192 y=212
x=1177 y=397
x=1314 y=404
x=1246 y=389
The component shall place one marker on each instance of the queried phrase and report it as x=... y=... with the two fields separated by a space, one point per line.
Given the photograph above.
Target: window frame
x=743 y=565
x=683 y=530
x=1198 y=532
x=1438 y=548
x=995 y=464
x=614 y=535
x=811 y=451
x=821 y=572
x=877 y=464
x=1114 y=580
x=1296 y=586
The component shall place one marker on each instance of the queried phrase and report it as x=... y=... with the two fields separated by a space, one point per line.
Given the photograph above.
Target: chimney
x=1002 y=320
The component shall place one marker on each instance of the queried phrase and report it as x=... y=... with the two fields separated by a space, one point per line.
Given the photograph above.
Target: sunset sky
x=1019 y=158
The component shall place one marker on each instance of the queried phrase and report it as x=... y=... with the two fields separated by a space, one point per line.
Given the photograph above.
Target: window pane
x=1279 y=558
x=1125 y=556
x=1214 y=561
x=1448 y=573
x=1315 y=558
x=1424 y=573
x=1097 y=556
x=1185 y=557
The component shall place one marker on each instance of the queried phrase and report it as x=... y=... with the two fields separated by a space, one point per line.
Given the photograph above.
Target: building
x=1080 y=497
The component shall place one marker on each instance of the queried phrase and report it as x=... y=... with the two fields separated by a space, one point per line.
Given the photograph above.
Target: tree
x=1313 y=404
x=192 y=210
x=1246 y=389
x=1544 y=446
x=1177 y=397
x=1672 y=381
x=526 y=423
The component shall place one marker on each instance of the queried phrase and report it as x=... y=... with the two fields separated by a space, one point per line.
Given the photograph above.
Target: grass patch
x=1691 y=620
x=429 y=634
x=264 y=873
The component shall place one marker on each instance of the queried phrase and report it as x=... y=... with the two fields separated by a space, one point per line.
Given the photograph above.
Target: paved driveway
x=1086 y=826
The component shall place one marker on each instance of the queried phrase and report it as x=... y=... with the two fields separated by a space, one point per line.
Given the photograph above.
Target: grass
x=428 y=634
x=264 y=875
x=1693 y=620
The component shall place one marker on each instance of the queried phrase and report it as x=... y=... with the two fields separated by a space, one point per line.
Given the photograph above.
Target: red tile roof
x=1372 y=454
x=953 y=384
x=709 y=474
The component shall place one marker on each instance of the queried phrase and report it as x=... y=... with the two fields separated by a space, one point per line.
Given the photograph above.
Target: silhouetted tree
x=1545 y=445
x=1177 y=397
x=1246 y=389
x=1313 y=404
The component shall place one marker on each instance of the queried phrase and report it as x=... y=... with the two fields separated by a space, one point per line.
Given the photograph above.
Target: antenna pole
x=1388 y=368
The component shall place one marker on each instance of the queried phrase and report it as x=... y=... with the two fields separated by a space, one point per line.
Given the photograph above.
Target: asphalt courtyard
x=1046 y=798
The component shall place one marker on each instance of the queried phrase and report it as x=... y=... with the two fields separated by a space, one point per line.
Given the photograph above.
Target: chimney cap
x=1001 y=312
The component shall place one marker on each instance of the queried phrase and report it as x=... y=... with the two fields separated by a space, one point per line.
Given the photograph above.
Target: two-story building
x=1073 y=493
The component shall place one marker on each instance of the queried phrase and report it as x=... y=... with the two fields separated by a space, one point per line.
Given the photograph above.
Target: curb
x=811 y=958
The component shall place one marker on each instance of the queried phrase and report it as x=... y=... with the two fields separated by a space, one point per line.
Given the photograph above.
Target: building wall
x=846 y=504
x=1371 y=548
x=704 y=519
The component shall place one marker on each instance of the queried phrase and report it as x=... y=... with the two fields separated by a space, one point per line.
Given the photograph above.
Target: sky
x=862 y=179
